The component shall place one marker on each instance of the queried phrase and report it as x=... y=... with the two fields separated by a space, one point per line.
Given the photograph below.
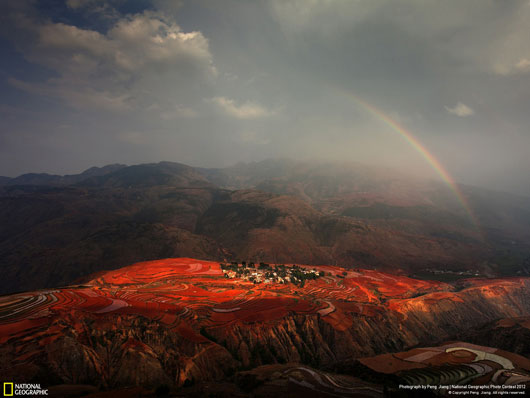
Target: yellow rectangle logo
x=8 y=389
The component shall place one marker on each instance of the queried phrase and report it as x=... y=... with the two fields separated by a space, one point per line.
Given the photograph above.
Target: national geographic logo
x=23 y=389
x=8 y=389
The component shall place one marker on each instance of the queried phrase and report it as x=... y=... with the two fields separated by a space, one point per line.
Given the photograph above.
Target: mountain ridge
x=53 y=234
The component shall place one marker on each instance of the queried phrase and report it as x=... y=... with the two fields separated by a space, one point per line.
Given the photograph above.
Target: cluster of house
x=284 y=274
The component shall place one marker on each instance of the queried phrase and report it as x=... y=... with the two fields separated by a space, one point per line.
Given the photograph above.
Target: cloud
x=140 y=60
x=509 y=52
x=213 y=83
x=478 y=35
x=178 y=111
x=81 y=98
x=94 y=8
x=247 y=110
x=460 y=109
x=145 y=40
x=523 y=65
x=299 y=16
x=519 y=67
x=75 y=4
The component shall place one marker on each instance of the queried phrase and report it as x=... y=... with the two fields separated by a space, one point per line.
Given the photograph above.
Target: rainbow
x=424 y=152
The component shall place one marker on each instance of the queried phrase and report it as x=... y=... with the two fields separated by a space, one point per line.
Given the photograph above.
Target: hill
x=54 y=179
x=57 y=229
x=181 y=321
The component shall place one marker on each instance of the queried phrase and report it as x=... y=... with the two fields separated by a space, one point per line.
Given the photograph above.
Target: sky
x=210 y=83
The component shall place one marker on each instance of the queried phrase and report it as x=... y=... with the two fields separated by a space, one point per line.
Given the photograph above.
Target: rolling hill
x=55 y=229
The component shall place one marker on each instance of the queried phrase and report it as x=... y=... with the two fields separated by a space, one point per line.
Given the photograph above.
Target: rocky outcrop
x=509 y=334
x=428 y=319
x=110 y=353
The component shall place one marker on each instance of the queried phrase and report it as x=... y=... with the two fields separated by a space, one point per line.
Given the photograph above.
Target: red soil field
x=187 y=294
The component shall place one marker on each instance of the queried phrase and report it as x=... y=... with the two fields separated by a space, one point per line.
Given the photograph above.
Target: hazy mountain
x=53 y=179
x=281 y=211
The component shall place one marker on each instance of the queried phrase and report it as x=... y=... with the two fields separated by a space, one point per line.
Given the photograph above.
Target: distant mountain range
x=56 y=229
x=54 y=179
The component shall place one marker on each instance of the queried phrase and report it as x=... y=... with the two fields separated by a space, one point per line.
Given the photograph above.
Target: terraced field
x=176 y=290
x=179 y=320
x=454 y=363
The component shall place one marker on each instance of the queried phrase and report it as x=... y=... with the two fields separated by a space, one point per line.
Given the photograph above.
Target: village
x=265 y=273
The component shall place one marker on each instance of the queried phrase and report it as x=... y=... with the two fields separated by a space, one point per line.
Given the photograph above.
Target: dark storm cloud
x=212 y=83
